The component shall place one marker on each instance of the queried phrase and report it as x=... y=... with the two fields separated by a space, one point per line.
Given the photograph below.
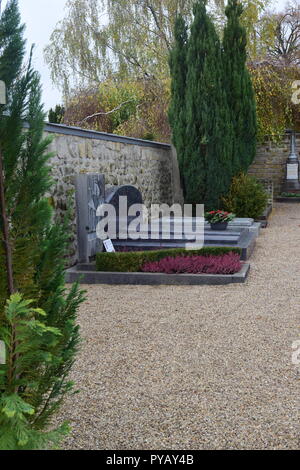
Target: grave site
x=149 y=228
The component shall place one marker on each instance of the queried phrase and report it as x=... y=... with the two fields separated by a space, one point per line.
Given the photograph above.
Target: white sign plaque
x=109 y=247
x=292 y=171
x=2 y=92
x=2 y=353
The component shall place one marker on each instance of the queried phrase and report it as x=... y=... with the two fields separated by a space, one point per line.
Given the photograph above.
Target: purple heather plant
x=229 y=263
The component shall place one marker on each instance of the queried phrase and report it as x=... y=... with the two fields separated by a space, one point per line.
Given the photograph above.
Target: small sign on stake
x=2 y=353
x=108 y=245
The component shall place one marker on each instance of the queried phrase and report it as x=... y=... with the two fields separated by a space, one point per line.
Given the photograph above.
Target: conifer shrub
x=38 y=314
x=213 y=110
x=246 y=198
x=177 y=111
x=34 y=345
x=239 y=90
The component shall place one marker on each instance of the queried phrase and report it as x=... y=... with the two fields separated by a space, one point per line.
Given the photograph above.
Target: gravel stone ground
x=194 y=367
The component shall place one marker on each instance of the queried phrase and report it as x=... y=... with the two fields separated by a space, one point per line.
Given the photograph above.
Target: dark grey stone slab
x=133 y=196
x=212 y=238
x=243 y=223
x=246 y=242
x=89 y=276
x=229 y=233
x=90 y=193
x=221 y=239
x=294 y=200
x=115 y=192
x=265 y=216
x=291 y=186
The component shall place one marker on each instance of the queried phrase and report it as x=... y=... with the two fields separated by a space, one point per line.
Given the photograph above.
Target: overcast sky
x=40 y=17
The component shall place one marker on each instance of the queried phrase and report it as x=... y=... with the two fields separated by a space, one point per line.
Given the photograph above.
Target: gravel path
x=194 y=367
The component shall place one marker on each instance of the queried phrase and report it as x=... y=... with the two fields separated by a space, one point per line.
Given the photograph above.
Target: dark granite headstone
x=133 y=196
x=113 y=194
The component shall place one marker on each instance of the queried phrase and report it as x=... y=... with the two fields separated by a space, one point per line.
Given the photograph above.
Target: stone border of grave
x=87 y=274
x=264 y=218
x=288 y=199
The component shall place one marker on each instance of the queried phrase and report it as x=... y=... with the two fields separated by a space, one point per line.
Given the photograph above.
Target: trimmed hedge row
x=133 y=261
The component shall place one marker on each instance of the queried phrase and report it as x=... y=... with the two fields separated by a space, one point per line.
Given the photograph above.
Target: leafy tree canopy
x=101 y=38
x=282 y=33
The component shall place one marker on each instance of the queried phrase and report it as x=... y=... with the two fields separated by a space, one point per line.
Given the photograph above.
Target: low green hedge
x=132 y=261
x=289 y=195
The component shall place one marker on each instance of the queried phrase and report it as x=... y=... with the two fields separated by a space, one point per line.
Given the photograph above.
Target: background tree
x=239 y=90
x=207 y=158
x=252 y=19
x=177 y=110
x=283 y=45
x=101 y=38
x=273 y=91
x=103 y=43
x=40 y=335
x=128 y=38
x=136 y=108
x=56 y=115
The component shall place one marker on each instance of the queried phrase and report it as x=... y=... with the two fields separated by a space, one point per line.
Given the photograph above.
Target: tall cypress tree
x=37 y=315
x=239 y=90
x=177 y=114
x=207 y=162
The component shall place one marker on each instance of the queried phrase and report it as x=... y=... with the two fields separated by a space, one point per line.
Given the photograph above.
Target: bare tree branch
x=106 y=114
x=162 y=33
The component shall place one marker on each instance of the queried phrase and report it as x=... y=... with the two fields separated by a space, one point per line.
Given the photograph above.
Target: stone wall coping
x=96 y=135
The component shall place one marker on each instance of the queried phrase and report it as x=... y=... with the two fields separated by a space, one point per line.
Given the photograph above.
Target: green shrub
x=247 y=197
x=31 y=347
x=290 y=195
x=133 y=261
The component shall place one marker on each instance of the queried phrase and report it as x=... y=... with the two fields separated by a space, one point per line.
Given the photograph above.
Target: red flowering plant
x=217 y=217
x=229 y=263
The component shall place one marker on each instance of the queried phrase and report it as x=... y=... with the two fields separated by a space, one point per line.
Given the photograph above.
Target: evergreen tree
x=40 y=335
x=178 y=68
x=207 y=163
x=239 y=90
x=56 y=115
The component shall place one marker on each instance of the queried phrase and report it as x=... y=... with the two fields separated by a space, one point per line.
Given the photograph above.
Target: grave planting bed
x=288 y=199
x=125 y=268
x=264 y=218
